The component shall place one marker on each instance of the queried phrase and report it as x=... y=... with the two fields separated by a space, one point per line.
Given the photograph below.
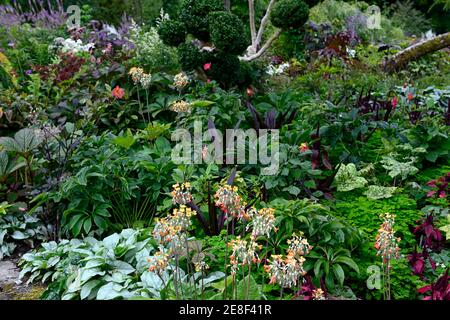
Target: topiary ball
x=172 y=32
x=224 y=68
x=190 y=57
x=193 y=13
x=226 y=32
x=287 y=14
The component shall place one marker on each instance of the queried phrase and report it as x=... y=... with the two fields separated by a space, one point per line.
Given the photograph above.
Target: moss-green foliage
x=287 y=14
x=364 y=214
x=172 y=32
x=193 y=13
x=227 y=32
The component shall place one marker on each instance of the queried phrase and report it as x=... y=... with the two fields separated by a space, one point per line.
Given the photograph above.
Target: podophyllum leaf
x=339 y=273
x=348 y=261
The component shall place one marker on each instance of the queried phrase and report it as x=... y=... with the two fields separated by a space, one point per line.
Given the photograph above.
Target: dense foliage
x=100 y=199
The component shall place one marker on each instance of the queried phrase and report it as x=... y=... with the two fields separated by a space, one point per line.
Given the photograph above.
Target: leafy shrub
x=287 y=14
x=227 y=32
x=124 y=184
x=150 y=51
x=172 y=32
x=18 y=227
x=193 y=13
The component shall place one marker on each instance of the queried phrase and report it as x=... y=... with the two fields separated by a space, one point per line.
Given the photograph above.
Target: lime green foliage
x=364 y=214
x=446 y=228
x=347 y=178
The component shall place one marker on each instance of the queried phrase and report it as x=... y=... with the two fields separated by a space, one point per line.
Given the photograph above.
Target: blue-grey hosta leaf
x=122 y=267
x=213 y=276
x=87 y=288
x=111 y=241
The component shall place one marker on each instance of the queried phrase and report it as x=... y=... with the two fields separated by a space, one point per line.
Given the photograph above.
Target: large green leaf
x=248 y=292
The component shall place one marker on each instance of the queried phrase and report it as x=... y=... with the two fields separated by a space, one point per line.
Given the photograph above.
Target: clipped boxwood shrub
x=227 y=32
x=193 y=13
x=172 y=32
x=289 y=14
x=190 y=57
x=224 y=69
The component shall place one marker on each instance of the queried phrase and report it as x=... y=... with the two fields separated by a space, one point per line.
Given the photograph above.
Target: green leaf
x=248 y=292
x=100 y=222
x=348 y=261
x=202 y=103
x=317 y=265
x=311 y=184
x=292 y=190
x=124 y=141
x=87 y=225
x=339 y=273
x=76 y=230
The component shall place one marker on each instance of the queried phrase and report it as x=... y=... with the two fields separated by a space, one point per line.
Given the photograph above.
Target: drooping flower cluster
x=299 y=245
x=181 y=194
x=243 y=253
x=386 y=242
x=180 y=80
x=229 y=201
x=285 y=271
x=262 y=221
x=200 y=266
x=169 y=230
x=159 y=262
x=180 y=106
x=140 y=77
x=318 y=294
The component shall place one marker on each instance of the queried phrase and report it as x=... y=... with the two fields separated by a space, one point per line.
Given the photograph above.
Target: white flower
x=351 y=52
x=70 y=45
x=275 y=71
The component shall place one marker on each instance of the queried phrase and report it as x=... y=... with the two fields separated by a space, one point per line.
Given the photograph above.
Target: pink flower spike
x=207 y=66
x=394 y=102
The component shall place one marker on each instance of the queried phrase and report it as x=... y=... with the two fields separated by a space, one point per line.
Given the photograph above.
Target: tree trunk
x=227 y=4
x=401 y=59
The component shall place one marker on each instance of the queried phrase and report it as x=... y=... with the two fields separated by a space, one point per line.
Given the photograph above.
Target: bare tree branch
x=275 y=35
x=415 y=51
x=251 y=13
x=264 y=21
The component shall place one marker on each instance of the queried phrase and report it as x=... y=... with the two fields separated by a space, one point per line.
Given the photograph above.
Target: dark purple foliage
x=440 y=290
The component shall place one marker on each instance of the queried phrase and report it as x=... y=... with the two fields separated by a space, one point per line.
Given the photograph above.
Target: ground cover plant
x=210 y=149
